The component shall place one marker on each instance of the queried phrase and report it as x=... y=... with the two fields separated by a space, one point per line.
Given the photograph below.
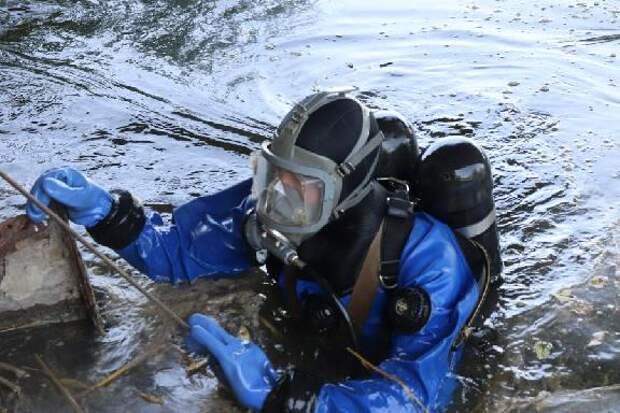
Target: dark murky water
x=167 y=98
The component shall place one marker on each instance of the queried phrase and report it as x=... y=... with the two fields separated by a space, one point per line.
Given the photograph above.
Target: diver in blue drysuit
x=314 y=186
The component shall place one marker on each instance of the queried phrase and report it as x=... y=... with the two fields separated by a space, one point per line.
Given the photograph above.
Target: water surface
x=168 y=98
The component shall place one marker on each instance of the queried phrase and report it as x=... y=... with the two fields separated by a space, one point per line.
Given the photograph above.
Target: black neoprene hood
x=332 y=131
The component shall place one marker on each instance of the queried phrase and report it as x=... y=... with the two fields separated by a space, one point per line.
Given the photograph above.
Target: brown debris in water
x=12 y=386
x=151 y=398
x=126 y=368
x=196 y=366
x=76 y=384
x=19 y=373
x=63 y=390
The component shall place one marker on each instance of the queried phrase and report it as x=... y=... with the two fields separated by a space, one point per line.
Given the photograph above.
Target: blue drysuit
x=206 y=241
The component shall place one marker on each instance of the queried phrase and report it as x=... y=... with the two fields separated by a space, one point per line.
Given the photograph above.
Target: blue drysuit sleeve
x=206 y=239
x=423 y=361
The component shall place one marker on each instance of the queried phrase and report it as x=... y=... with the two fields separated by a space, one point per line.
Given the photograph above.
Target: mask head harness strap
x=348 y=166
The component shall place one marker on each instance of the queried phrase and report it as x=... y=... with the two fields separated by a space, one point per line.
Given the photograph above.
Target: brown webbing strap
x=365 y=288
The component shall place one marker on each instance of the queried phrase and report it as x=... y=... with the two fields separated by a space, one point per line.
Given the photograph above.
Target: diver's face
x=309 y=192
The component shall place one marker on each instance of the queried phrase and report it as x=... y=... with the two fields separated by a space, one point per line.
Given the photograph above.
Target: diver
x=361 y=232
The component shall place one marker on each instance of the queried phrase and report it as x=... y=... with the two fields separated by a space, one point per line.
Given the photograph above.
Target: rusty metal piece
x=62 y=222
x=42 y=277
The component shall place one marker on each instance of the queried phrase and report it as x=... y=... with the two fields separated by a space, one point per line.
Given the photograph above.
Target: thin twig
x=124 y=369
x=111 y=264
x=14 y=387
x=69 y=382
x=388 y=376
x=19 y=327
x=266 y=323
x=59 y=385
x=19 y=373
x=151 y=398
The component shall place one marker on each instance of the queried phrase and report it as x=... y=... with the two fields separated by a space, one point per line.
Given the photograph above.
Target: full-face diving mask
x=298 y=191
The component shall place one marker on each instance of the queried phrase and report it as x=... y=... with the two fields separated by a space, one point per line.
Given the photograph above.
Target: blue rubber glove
x=247 y=369
x=87 y=203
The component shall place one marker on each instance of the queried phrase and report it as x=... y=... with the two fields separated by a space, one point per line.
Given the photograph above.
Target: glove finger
x=33 y=211
x=212 y=326
x=74 y=178
x=72 y=197
x=214 y=345
x=38 y=190
x=198 y=319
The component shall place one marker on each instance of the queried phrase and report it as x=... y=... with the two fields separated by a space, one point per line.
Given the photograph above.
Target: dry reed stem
x=196 y=365
x=124 y=369
x=50 y=374
x=151 y=398
x=19 y=373
x=388 y=376
x=14 y=387
x=77 y=384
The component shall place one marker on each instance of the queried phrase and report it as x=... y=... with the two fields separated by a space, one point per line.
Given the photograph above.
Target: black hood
x=332 y=131
x=337 y=251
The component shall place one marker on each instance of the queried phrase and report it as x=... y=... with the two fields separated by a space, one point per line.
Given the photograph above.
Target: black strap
x=474 y=257
x=397 y=224
x=480 y=264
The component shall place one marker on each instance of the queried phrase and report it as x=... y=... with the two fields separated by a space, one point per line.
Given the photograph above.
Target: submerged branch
x=123 y=370
x=266 y=323
x=19 y=373
x=14 y=387
x=50 y=374
x=151 y=398
x=74 y=383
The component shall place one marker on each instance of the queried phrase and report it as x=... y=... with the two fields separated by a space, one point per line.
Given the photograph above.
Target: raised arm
x=205 y=240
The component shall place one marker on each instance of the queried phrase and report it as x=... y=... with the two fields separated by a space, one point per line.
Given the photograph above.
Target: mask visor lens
x=285 y=197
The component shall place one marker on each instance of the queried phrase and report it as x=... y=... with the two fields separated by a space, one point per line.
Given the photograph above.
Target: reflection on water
x=168 y=98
